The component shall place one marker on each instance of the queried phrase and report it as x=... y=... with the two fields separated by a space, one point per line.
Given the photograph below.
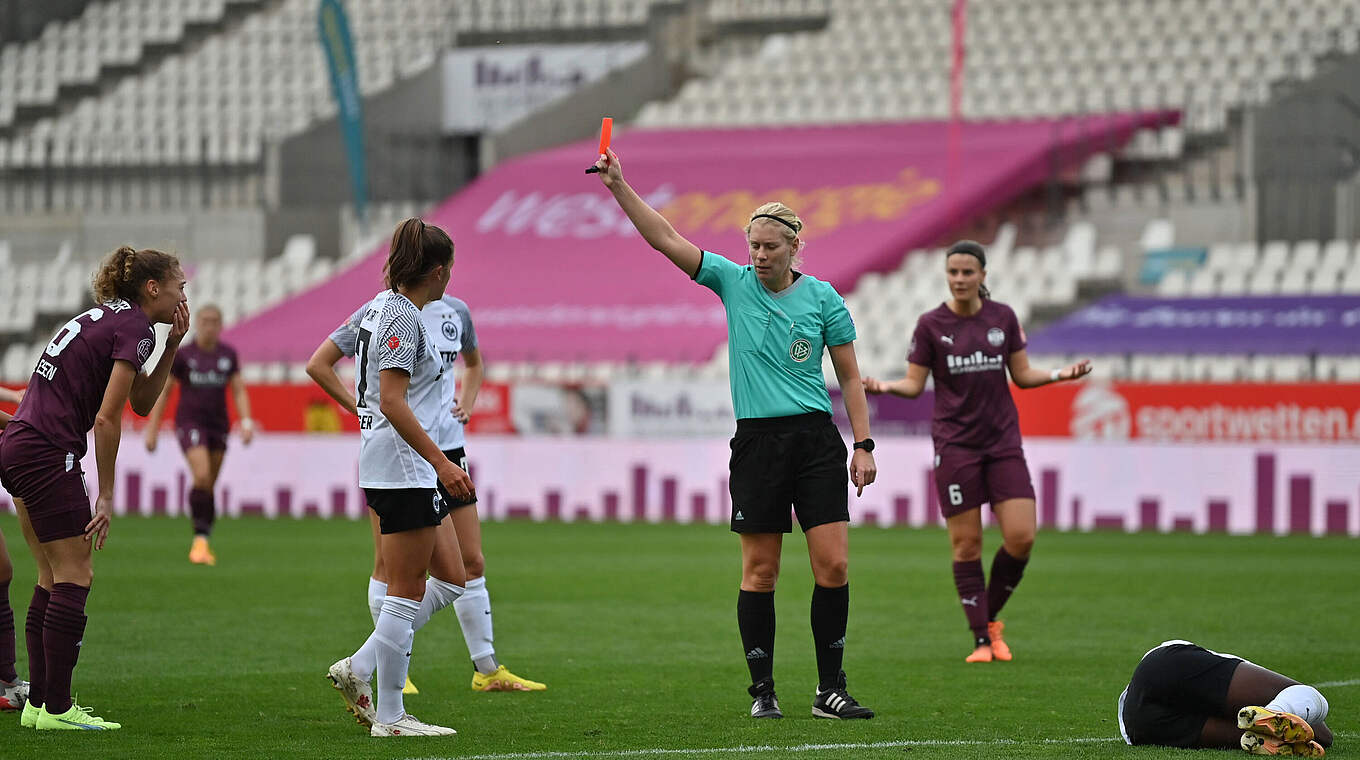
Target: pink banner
x=553 y=270
x=1080 y=485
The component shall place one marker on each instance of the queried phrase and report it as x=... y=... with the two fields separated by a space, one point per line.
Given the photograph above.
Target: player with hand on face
x=89 y=371
x=967 y=344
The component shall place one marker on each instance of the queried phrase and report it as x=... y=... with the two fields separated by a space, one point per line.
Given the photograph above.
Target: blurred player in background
x=786 y=449
x=448 y=323
x=204 y=370
x=967 y=344
x=1183 y=695
x=84 y=378
x=397 y=399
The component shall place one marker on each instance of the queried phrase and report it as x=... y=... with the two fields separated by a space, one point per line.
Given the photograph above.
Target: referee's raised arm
x=658 y=232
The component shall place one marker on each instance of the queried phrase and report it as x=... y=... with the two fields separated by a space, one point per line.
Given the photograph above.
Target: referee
x=786 y=450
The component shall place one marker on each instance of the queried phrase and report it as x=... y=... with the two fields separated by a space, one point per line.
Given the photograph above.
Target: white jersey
x=387 y=334
x=448 y=323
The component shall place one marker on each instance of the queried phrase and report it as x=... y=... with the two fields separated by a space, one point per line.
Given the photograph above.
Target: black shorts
x=778 y=462
x=459 y=457
x=1174 y=690
x=403 y=509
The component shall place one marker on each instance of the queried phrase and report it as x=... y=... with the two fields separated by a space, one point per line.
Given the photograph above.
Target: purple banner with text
x=1258 y=325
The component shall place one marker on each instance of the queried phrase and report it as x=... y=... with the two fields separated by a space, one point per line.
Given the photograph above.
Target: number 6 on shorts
x=955 y=494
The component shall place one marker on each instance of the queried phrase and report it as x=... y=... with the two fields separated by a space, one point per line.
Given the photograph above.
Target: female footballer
x=967 y=344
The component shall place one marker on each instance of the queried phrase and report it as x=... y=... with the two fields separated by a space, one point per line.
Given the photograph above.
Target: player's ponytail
x=123 y=273
x=417 y=248
x=974 y=249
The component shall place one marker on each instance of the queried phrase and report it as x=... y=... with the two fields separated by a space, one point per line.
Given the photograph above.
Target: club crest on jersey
x=995 y=336
x=450 y=330
x=394 y=343
x=801 y=350
x=144 y=347
x=223 y=364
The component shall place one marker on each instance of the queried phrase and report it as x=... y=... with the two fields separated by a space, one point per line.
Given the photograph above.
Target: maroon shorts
x=48 y=479
x=967 y=478
x=190 y=437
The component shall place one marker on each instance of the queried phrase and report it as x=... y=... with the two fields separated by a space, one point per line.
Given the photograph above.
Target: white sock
x=376 y=591
x=394 y=635
x=438 y=595
x=474 y=615
x=1304 y=701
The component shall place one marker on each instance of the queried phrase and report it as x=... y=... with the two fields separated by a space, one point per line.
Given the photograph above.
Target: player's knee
x=202 y=482
x=760 y=576
x=1020 y=545
x=967 y=548
x=832 y=574
x=475 y=563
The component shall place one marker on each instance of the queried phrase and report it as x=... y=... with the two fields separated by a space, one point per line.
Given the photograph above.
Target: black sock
x=1006 y=574
x=755 y=619
x=830 y=610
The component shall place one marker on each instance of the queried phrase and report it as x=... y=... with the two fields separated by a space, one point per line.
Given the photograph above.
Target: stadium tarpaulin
x=554 y=271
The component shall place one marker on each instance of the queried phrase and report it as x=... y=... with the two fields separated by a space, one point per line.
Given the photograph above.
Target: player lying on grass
x=1183 y=695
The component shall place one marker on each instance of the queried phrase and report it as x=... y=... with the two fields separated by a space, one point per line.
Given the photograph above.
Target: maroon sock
x=1006 y=574
x=203 y=509
x=972 y=586
x=7 y=671
x=63 y=632
x=33 y=636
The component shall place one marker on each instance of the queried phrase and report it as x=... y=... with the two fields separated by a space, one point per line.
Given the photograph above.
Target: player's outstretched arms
x=658 y=232
x=909 y=386
x=1026 y=376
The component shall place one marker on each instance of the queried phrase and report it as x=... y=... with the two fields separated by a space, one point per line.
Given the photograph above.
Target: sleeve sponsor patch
x=394 y=343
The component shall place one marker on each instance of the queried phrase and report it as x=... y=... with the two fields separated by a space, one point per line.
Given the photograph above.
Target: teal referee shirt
x=775 y=340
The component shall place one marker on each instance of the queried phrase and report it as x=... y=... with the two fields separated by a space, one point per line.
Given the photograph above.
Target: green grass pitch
x=633 y=628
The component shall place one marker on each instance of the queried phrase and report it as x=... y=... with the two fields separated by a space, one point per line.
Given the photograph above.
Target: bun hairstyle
x=974 y=249
x=417 y=248
x=123 y=273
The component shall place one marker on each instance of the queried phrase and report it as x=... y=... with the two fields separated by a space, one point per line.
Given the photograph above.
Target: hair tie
x=777 y=219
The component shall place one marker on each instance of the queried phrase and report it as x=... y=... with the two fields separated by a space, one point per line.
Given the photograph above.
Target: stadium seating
x=33 y=295
x=890 y=61
x=218 y=102
x=1308 y=267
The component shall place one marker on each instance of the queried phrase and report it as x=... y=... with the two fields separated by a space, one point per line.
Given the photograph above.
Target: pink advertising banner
x=553 y=270
x=1081 y=485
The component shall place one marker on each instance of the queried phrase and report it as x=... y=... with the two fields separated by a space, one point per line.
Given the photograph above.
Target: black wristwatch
x=867 y=444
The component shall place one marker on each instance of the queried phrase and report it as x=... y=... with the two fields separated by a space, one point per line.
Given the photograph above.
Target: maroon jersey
x=967 y=356
x=68 y=384
x=203 y=376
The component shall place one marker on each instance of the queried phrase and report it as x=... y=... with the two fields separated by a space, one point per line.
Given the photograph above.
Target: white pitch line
x=743 y=749
x=1334 y=684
